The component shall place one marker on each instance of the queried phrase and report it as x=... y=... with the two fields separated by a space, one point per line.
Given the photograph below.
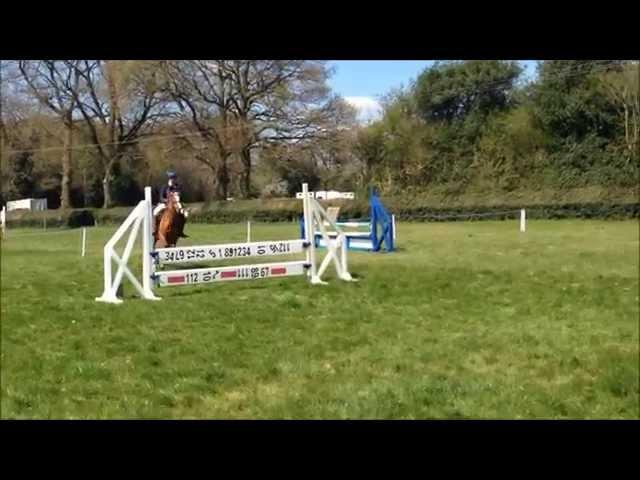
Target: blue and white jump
x=380 y=230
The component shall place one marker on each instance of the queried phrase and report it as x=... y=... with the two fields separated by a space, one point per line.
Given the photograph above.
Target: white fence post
x=523 y=226
x=248 y=231
x=84 y=240
x=393 y=226
x=3 y=220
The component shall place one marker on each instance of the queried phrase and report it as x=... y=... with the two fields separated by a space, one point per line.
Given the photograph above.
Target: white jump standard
x=380 y=230
x=152 y=259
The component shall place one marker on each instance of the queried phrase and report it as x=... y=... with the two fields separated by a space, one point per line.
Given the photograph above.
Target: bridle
x=178 y=205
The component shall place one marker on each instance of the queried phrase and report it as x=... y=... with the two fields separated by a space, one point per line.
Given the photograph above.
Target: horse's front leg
x=161 y=241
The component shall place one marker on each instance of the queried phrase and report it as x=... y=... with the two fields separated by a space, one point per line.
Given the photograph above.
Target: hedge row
x=53 y=219
x=541 y=212
x=291 y=211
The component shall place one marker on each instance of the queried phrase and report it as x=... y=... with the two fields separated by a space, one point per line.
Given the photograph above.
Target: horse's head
x=173 y=201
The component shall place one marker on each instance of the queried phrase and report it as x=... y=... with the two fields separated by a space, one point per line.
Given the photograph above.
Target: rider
x=171 y=187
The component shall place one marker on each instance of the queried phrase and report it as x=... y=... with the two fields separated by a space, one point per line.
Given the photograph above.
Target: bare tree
x=52 y=82
x=202 y=92
x=120 y=103
x=237 y=106
x=280 y=101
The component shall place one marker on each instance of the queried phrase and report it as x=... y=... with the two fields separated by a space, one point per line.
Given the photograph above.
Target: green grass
x=467 y=320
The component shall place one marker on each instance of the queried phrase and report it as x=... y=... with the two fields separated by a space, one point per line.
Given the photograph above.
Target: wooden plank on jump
x=201 y=253
x=354 y=224
x=237 y=272
x=353 y=243
x=347 y=234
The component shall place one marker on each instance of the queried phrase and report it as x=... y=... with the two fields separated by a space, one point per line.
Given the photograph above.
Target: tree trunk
x=65 y=193
x=106 y=190
x=246 y=174
x=223 y=178
x=84 y=187
x=636 y=125
x=106 y=184
x=626 y=127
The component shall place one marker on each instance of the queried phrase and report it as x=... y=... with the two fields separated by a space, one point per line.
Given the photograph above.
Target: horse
x=170 y=223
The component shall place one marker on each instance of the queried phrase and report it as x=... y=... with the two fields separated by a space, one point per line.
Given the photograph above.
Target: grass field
x=467 y=320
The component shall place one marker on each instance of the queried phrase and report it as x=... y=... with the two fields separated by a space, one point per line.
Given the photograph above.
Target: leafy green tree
x=452 y=91
x=568 y=102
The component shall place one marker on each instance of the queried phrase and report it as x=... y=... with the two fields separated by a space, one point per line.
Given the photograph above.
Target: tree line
x=94 y=132
x=478 y=125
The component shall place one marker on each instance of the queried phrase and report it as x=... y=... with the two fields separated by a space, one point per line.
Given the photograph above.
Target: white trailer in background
x=32 y=204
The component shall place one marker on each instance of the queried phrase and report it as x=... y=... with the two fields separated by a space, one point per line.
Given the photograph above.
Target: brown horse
x=170 y=223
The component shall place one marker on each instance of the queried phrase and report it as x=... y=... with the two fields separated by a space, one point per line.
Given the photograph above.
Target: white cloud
x=368 y=108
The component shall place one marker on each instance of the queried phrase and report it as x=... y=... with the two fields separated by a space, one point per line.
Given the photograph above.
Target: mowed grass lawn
x=467 y=320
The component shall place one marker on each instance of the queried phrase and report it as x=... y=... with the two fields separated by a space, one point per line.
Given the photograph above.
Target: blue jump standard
x=379 y=236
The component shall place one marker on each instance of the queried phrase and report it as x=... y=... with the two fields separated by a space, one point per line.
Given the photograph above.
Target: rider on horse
x=171 y=187
x=169 y=215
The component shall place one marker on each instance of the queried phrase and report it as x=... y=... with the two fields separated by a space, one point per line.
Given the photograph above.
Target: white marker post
x=3 y=220
x=523 y=226
x=393 y=226
x=84 y=240
x=248 y=231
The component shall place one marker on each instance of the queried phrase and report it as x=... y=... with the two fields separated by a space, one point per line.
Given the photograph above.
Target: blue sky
x=362 y=82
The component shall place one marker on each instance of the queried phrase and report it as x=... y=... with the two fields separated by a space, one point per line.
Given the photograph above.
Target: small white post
x=309 y=232
x=248 y=231
x=523 y=225
x=393 y=226
x=3 y=220
x=108 y=295
x=84 y=240
x=343 y=258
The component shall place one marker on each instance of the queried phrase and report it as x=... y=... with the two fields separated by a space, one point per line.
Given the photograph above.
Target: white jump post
x=248 y=231
x=84 y=240
x=152 y=259
x=523 y=221
x=140 y=214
